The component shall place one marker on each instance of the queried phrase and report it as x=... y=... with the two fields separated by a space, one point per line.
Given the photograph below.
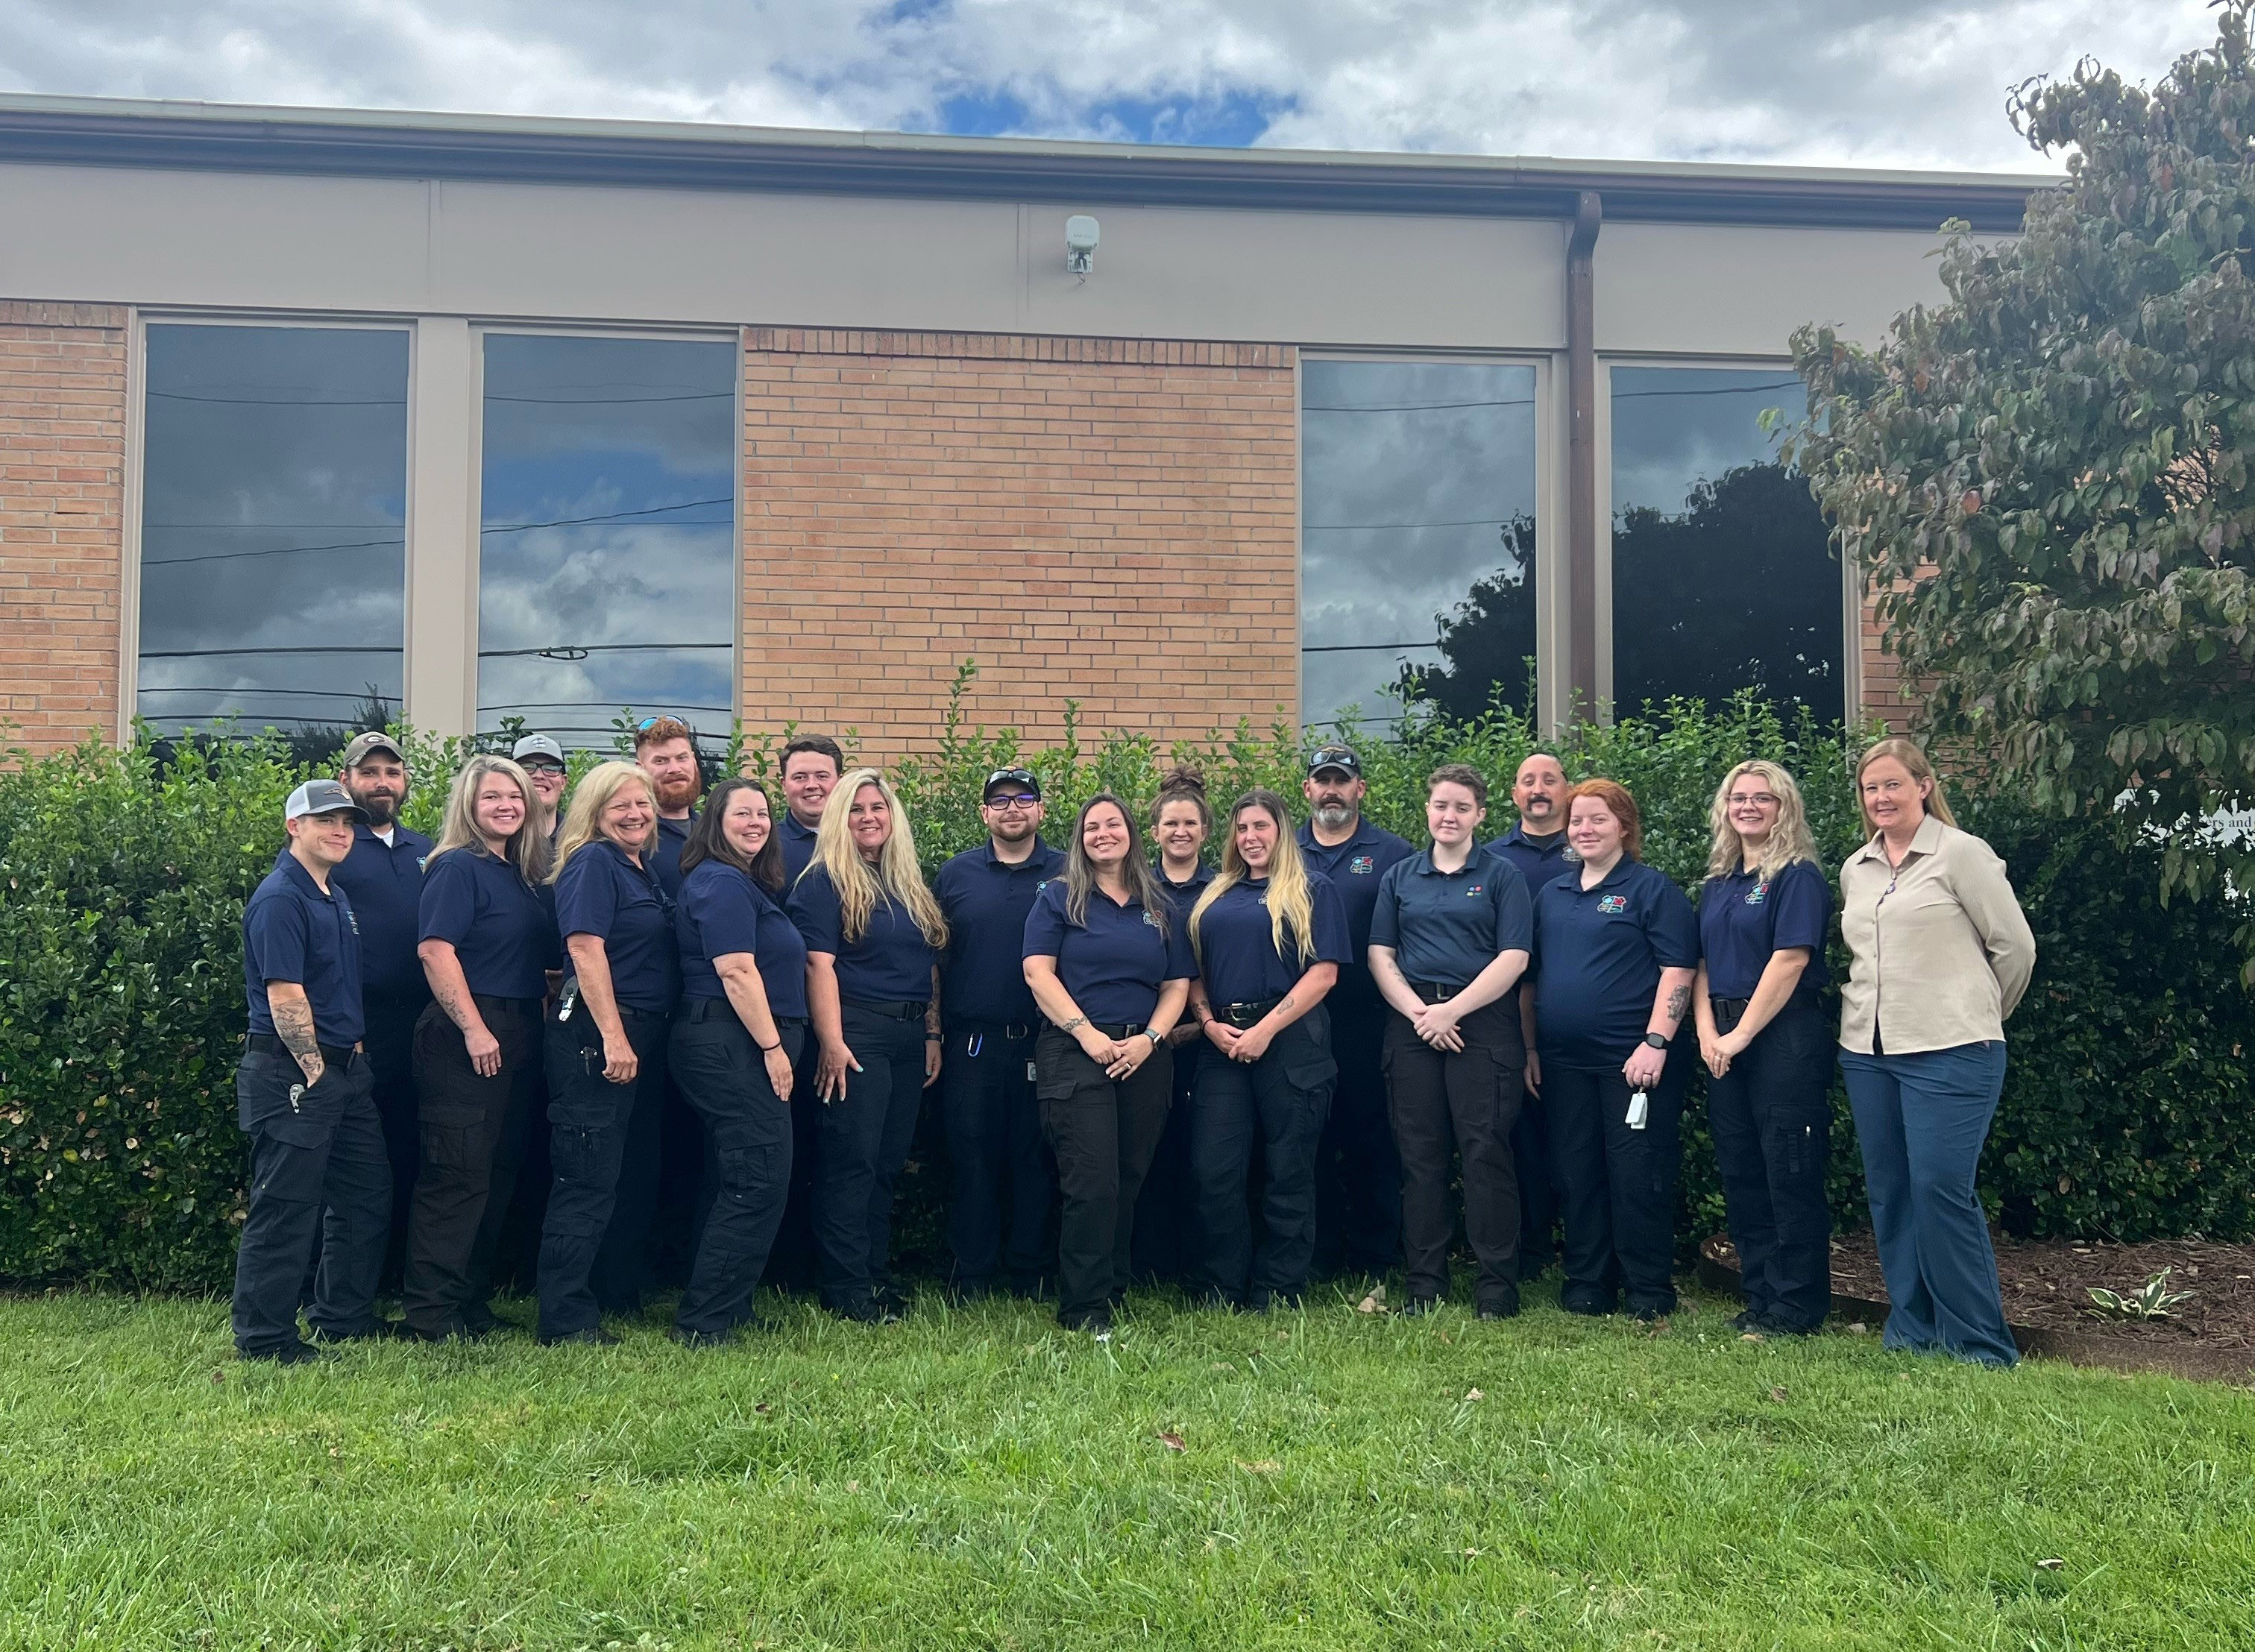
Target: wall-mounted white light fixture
x=1079 y=245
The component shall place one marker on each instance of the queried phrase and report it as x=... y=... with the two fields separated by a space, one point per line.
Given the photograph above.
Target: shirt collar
x=1555 y=844
x=294 y=870
x=1422 y=864
x=1041 y=860
x=1622 y=870
x=1363 y=830
x=791 y=826
x=1927 y=840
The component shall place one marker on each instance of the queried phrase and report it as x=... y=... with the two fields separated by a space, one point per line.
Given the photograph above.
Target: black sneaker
x=1587 y=1307
x=382 y=1331
x=1749 y=1320
x=700 y=1340
x=479 y=1320
x=1500 y=1307
x=289 y=1354
x=1647 y=1314
x=892 y=1302
x=1097 y=1321
x=860 y=1310
x=452 y=1331
x=1776 y=1324
x=1418 y=1308
x=594 y=1337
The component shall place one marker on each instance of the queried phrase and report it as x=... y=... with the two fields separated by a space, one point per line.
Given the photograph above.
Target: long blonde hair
x=527 y=848
x=1912 y=757
x=1789 y=840
x=1291 y=910
x=896 y=877
x=583 y=822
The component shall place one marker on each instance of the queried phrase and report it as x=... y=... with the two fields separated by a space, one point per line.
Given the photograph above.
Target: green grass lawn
x=978 y=1478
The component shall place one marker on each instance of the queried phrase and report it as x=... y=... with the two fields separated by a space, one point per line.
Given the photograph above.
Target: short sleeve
x=814 y=908
x=275 y=931
x=551 y=937
x=587 y=896
x=1385 y=914
x=1332 y=945
x=1181 y=962
x=1804 y=908
x=1514 y=910
x=727 y=920
x=1673 y=926
x=448 y=905
x=1045 y=936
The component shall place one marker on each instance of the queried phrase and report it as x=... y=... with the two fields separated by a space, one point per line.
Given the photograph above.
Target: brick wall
x=1110 y=521
x=1885 y=695
x=62 y=499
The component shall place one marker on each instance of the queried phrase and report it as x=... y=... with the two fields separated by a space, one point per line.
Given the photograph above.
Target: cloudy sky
x=1866 y=82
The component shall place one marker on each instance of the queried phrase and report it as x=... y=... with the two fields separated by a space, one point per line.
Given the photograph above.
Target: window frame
x=138 y=321
x=1852 y=680
x=1551 y=681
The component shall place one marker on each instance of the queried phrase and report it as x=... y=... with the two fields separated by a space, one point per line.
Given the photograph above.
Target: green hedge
x=122 y=875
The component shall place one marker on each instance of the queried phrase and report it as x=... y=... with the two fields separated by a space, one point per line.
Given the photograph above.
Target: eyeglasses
x=537 y=769
x=1764 y=799
x=1013 y=800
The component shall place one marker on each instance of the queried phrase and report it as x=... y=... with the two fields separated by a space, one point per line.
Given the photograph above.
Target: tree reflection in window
x=1723 y=577
x=1417 y=499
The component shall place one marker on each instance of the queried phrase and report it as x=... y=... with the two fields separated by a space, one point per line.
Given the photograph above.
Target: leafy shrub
x=123 y=878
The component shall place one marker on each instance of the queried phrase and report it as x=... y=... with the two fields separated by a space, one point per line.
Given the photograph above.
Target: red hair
x=1615 y=796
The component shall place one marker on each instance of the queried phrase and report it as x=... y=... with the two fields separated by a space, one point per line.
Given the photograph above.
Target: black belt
x=1116 y=1030
x=1728 y=1012
x=966 y=1027
x=267 y=1044
x=891 y=1009
x=1241 y=1016
x=698 y=1011
x=506 y=1006
x=640 y=1015
x=1433 y=991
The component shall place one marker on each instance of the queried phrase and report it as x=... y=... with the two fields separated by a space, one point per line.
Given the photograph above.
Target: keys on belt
x=1242 y=1016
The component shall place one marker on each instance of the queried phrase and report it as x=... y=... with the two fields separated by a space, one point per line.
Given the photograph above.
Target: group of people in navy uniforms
x=1212 y=1049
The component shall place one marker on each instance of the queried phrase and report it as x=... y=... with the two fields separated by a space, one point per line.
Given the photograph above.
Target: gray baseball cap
x=374 y=740
x=322 y=797
x=536 y=745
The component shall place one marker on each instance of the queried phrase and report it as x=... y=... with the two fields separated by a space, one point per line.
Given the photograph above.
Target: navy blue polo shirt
x=1239 y=950
x=665 y=853
x=1539 y=859
x=501 y=928
x=1356 y=867
x=293 y=932
x=1744 y=918
x=602 y=893
x=1181 y=896
x=1598 y=954
x=1115 y=963
x=797 y=848
x=890 y=962
x=1446 y=927
x=386 y=886
x=724 y=910
x=986 y=900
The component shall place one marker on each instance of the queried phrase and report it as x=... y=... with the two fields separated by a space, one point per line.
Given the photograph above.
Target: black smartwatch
x=1656 y=1040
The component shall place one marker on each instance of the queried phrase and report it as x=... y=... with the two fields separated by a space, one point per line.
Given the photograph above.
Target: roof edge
x=540 y=149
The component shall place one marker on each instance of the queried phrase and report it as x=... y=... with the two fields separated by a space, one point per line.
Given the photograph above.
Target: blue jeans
x=1920 y=1120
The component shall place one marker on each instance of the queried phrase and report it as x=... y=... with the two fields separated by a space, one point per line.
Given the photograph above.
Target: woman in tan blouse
x=1942 y=955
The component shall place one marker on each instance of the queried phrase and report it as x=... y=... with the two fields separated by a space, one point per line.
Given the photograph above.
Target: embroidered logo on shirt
x=1152 y=920
x=1613 y=903
x=1363 y=864
x=353 y=918
x=1474 y=890
x=1759 y=893
x=421 y=861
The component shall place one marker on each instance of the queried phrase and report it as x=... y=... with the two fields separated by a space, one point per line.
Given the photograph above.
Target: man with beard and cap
x=1358 y=1170
x=809 y=768
x=993 y=1120
x=383 y=877
x=542 y=759
x=666 y=751
x=1537 y=844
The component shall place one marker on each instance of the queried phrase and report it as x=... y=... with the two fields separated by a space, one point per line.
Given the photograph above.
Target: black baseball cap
x=1338 y=757
x=1021 y=777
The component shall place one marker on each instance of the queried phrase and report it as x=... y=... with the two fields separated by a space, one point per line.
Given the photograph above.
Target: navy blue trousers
x=721 y=1073
x=591 y=1122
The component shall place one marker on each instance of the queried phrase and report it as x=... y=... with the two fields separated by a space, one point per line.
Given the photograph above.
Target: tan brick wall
x=1885 y=695
x=1111 y=521
x=62 y=502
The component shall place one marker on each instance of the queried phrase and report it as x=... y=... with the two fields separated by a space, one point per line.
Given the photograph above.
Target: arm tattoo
x=457 y=1006
x=293 y=1025
x=1678 y=1001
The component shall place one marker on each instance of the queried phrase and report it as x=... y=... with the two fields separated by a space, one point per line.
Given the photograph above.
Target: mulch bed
x=2047 y=1286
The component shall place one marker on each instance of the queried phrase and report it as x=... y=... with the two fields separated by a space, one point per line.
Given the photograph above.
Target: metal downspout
x=1582 y=459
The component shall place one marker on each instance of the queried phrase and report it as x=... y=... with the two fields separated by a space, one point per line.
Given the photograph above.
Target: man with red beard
x=667 y=751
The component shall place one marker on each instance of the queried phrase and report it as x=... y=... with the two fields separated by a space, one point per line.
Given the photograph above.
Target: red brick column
x=62 y=503
x=1110 y=521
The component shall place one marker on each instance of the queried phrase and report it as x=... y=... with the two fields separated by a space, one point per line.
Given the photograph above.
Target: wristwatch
x=1157 y=1038
x=1657 y=1040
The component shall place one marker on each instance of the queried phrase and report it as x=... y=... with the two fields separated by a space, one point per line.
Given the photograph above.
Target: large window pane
x=607 y=562
x=1417 y=546
x=273 y=553
x=1722 y=577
